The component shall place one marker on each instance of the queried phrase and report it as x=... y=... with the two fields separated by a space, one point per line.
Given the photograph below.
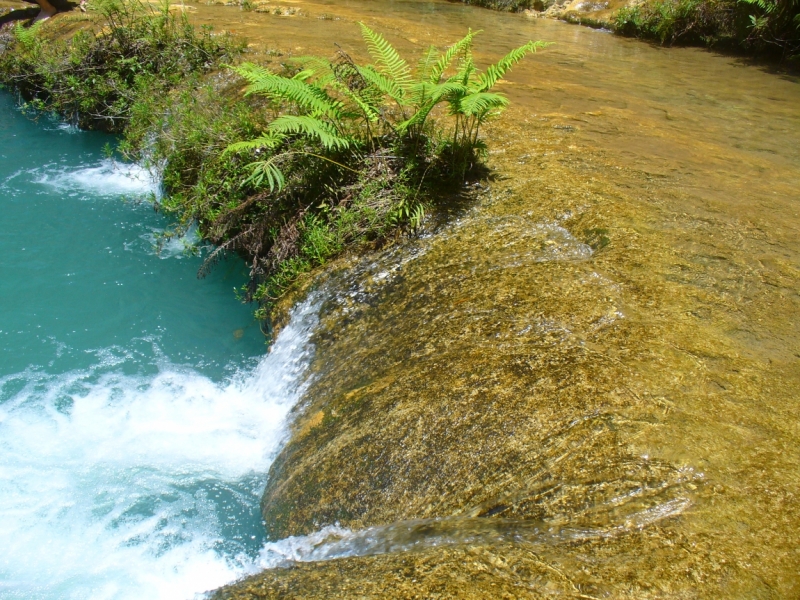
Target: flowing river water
x=595 y=356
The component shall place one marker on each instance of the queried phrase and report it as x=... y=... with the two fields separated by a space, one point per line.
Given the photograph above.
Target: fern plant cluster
x=345 y=107
x=383 y=133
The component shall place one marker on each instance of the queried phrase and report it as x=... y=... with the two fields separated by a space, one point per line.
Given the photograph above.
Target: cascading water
x=138 y=413
x=130 y=392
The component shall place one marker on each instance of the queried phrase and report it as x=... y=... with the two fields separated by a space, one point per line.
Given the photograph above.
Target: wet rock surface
x=526 y=388
x=603 y=341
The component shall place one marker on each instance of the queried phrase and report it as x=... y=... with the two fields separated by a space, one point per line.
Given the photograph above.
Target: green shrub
x=95 y=78
x=759 y=26
x=507 y=5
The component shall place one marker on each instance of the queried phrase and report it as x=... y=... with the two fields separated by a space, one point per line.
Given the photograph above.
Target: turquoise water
x=139 y=410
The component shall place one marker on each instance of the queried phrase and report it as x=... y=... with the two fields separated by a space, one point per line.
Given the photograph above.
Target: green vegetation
x=507 y=5
x=351 y=154
x=768 y=27
x=317 y=158
x=97 y=78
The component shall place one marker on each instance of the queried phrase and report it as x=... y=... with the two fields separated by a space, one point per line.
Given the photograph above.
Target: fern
x=319 y=68
x=467 y=68
x=296 y=91
x=335 y=99
x=416 y=216
x=427 y=96
x=384 y=84
x=766 y=5
x=368 y=110
x=311 y=127
x=269 y=140
x=28 y=37
x=303 y=75
x=480 y=103
x=460 y=47
x=426 y=64
x=266 y=169
x=252 y=72
x=496 y=71
x=386 y=58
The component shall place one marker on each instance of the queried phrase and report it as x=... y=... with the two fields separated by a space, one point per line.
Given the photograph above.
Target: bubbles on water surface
x=109 y=178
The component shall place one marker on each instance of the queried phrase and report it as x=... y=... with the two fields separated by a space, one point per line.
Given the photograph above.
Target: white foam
x=70 y=128
x=118 y=495
x=107 y=178
x=174 y=246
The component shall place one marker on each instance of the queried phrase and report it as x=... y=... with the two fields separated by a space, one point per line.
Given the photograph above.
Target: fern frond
x=266 y=169
x=303 y=75
x=383 y=84
x=306 y=96
x=28 y=36
x=319 y=65
x=479 y=103
x=496 y=71
x=369 y=112
x=416 y=217
x=466 y=70
x=426 y=63
x=429 y=96
x=424 y=92
x=251 y=72
x=311 y=127
x=765 y=5
x=386 y=58
x=321 y=69
x=269 y=139
x=462 y=45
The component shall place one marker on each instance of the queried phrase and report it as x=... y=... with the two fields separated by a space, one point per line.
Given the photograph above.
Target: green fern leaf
x=386 y=58
x=266 y=169
x=368 y=110
x=306 y=96
x=28 y=36
x=319 y=65
x=417 y=215
x=252 y=72
x=466 y=70
x=383 y=84
x=426 y=64
x=321 y=69
x=310 y=127
x=269 y=139
x=304 y=75
x=428 y=97
x=496 y=71
x=480 y=103
x=460 y=47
